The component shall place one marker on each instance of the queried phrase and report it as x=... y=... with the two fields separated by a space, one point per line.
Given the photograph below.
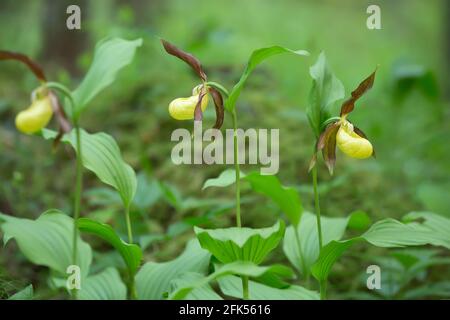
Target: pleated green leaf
x=387 y=233
x=47 y=241
x=191 y=286
x=110 y=56
x=243 y=268
x=107 y=285
x=232 y=286
x=302 y=249
x=101 y=155
x=240 y=244
x=131 y=253
x=153 y=279
x=286 y=198
x=256 y=58
x=26 y=293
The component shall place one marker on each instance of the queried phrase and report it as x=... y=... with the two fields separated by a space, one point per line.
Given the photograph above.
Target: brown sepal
x=363 y=87
x=218 y=103
x=32 y=65
x=186 y=57
x=198 y=113
x=63 y=123
x=327 y=144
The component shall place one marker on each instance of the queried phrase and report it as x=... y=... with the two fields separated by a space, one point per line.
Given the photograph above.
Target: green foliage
x=47 y=241
x=153 y=279
x=388 y=233
x=131 y=253
x=110 y=56
x=240 y=244
x=26 y=293
x=106 y=285
x=256 y=58
x=326 y=90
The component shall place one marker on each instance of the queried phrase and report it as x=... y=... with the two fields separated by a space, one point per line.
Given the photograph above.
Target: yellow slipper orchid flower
x=184 y=108
x=352 y=144
x=36 y=117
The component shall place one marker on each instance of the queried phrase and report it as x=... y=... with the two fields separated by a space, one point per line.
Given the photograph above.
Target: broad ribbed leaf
x=286 y=198
x=191 y=286
x=232 y=286
x=240 y=244
x=326 y=90
x=302 y=249
x=47 y=241
x=243 y=268
x=386 y=233
x=110 y=56
x=107 y=285
x=153 y=279
x=256 y=58
x=24 y=294
x=131 y=253
x=440 y=225
x=101 y=155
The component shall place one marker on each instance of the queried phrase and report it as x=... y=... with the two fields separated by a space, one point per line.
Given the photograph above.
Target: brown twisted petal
x=218 y=103
x=63 y=123
x=198 y=113
x=186 y=57
x=327 y=144
x=363 y=87
x=32 y=65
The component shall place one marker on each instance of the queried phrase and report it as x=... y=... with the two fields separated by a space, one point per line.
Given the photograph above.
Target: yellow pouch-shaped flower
x=36 y=117
x=350 y=143
x=183 y=108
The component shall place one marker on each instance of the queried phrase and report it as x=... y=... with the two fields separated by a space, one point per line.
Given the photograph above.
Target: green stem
x=322 y=284
x=245 y=291
x=323 y=289
x=300 y=251
x=79 y=170
x=128 y=221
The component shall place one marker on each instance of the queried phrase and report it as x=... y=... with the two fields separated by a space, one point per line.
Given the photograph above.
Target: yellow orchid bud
x=350 y=143
x=183 y=108
x=36 y=117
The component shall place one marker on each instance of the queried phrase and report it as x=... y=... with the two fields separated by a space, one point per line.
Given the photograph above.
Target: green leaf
x=186 y=280
x=107 y=285
x=240 y=244
x=110 y=56
x=153 y=279
x=243 y=268
x=440 y=225
x=26 y=293
x=232 y=286
x=256 y=58
x=303 y=256
x=225 y=179
x=47 y=241
x=386 y=233
x=131 y=253
x=326 y=90
x=286 y=198
x=101 y=155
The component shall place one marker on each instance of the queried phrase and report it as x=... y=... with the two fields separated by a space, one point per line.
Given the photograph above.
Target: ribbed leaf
x=232 y=286
x=191 y=286
x=386 y=233
x=101 y=155
x=47 y=241
x=107 y=285
x=24 y=294
x=286 y=198
x=302 y=249
x=241 y=244
x=243 y=268
x=326 y=90
x=110 y=56
x=153 y=279
x=256 y=58
x=131 y=253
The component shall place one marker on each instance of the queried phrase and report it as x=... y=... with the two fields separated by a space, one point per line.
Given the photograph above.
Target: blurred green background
x=406 y=114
